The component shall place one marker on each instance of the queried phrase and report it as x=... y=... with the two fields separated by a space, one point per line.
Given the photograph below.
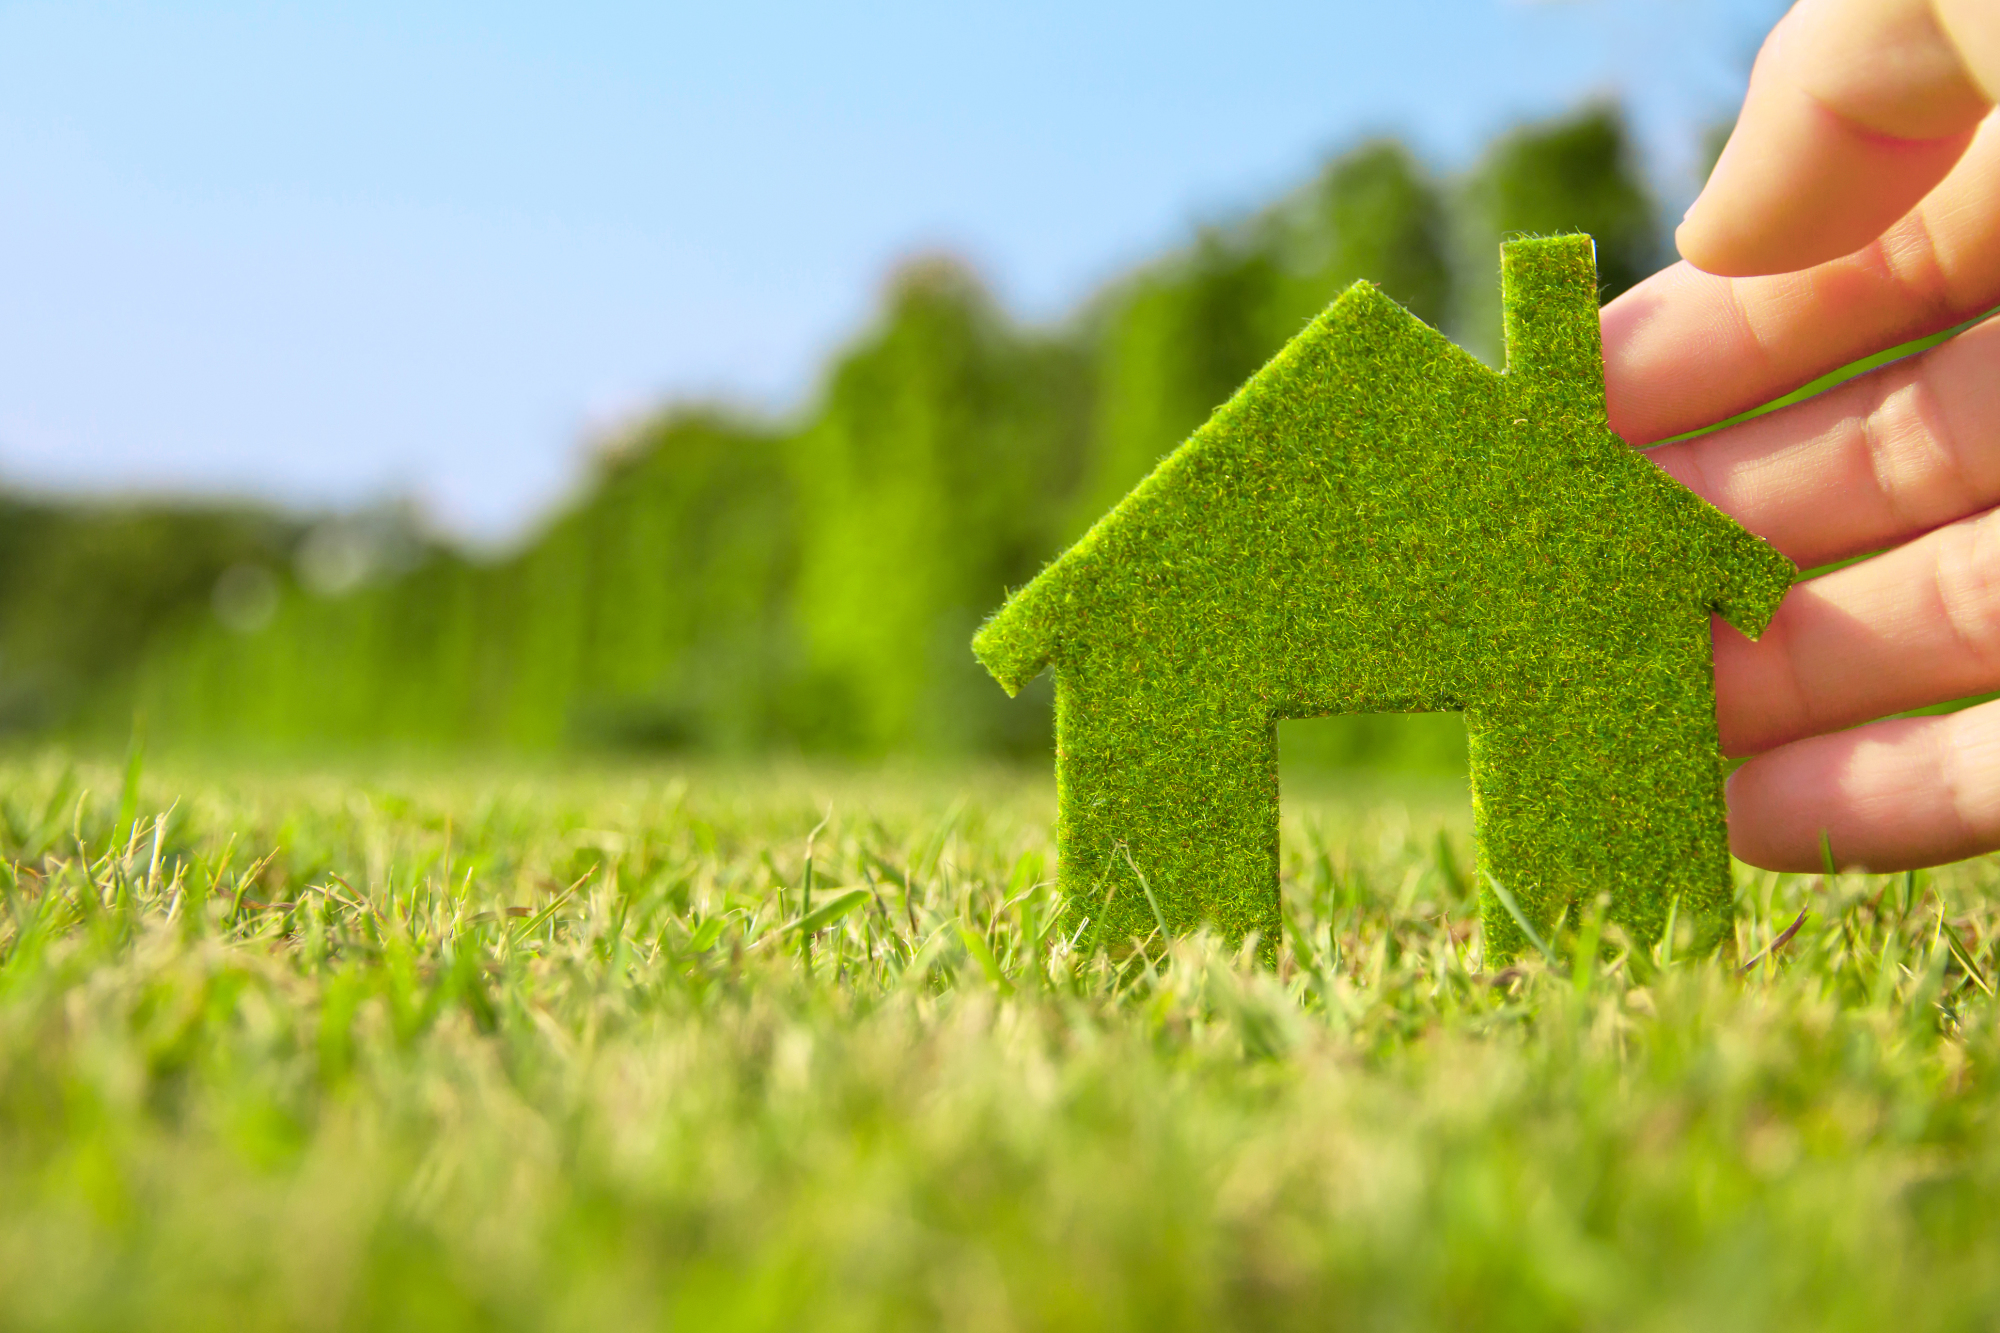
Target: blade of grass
x=1521 y=920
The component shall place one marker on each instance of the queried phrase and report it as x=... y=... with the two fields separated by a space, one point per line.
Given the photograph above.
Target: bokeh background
x=694 y=379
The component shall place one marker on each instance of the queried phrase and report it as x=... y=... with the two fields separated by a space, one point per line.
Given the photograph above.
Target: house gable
x=1211 y=508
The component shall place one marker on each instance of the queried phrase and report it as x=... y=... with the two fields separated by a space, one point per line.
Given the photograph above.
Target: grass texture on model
x=769 y=1051
x=1378 y=522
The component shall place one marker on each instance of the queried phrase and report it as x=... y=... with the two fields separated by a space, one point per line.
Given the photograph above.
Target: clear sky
x=328 y=253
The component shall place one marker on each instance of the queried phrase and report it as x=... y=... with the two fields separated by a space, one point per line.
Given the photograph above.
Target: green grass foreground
x=609 y=1049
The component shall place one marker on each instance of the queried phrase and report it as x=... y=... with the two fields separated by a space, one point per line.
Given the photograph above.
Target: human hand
x=1856 y=207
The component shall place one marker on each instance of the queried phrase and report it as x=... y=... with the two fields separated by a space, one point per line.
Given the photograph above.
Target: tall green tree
x=932 y=478
x=1371 y=213
x=86 y=587
x=687 y=553
x=652 y=612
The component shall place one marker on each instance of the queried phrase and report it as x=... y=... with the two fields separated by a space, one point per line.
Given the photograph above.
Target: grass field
x=719 y=1049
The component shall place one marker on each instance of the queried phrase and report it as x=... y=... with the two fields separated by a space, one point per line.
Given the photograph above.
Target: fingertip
x=1892 y=795
x=1758 y=835
x=1788 y=806
x=1797 y=186
x=1854 y=111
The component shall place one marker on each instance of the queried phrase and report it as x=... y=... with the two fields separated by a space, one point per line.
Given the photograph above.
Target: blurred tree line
x=731 y=584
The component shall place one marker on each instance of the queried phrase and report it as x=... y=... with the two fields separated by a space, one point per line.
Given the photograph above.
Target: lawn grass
x=789 y=1048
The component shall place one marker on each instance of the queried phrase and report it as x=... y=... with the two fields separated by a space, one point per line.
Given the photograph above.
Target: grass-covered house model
x=1378 y=522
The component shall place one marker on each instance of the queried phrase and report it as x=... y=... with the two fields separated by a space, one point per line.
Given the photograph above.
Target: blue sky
x=326 y=254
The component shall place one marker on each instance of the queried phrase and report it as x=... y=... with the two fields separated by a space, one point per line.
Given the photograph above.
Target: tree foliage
x=728 y=584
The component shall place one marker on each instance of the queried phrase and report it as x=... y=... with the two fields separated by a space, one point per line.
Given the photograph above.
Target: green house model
x=1377 y=522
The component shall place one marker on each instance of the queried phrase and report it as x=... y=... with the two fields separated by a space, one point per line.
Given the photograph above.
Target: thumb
x=1856 y=109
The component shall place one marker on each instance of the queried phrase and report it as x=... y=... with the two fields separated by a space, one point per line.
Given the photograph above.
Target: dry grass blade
x=1770 y=950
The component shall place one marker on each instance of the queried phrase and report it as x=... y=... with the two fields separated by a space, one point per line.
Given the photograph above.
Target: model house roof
x=1376 y=486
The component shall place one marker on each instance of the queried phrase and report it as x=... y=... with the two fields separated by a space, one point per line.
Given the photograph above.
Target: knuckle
x=1911 y=459
x=1913 y=456
x=1909 y=253
x=1968 y=584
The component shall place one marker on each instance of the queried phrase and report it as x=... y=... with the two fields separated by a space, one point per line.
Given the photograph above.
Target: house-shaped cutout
x=1378 y=522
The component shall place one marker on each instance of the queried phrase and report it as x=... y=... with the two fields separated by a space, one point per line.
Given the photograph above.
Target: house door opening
x=1376 y=814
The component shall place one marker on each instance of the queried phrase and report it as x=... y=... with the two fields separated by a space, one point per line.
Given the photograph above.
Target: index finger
x=1685 y=349
x=1856 y=109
